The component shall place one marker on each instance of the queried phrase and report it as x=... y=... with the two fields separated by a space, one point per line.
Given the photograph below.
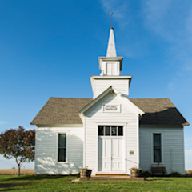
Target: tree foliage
x=18 y=144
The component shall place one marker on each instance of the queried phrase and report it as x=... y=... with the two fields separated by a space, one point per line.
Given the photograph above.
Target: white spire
x=111 y=51
x=110 y=65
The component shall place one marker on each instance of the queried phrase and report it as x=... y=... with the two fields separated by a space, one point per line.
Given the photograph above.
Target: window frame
x=110 y=130
x=99 y=128
x=65 y=148
x=122 y=131
x=160 y=148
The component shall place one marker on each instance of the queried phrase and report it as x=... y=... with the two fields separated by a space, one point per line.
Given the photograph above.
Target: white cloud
x=168 y=18
x=154 y=13
x=172 y=21
x=119 y=8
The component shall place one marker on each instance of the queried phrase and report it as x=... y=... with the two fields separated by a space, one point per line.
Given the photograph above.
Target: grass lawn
x=63 y=183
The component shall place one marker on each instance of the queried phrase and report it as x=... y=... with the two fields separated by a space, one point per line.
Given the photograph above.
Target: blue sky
x=50 y=49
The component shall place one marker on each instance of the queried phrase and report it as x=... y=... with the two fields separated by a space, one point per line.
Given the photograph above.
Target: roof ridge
x=149 y=98
x=70 y=98
x=93 y=98
x=103 y=94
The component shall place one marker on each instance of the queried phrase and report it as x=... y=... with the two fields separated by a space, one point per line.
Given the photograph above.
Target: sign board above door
x=112 y=108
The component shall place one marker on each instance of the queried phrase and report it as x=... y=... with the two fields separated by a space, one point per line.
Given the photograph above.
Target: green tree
x=18 y=144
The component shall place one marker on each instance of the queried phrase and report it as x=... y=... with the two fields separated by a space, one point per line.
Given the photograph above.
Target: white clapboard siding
x=127 y=117
x=99 y=85
x=188 y=159
x=46 y=150
x=172 y=148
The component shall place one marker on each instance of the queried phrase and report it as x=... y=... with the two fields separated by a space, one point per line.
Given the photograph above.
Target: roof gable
x=107 y=92
x=92 y=102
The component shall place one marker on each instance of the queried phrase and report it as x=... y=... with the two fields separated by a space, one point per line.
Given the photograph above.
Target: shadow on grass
x=37 y=177
x=9 y=184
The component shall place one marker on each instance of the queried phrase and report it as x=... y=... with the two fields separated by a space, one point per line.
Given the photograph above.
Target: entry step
x=111 y=175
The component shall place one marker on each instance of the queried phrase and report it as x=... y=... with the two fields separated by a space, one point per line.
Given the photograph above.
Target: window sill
x=62 y=162
x=157 y=164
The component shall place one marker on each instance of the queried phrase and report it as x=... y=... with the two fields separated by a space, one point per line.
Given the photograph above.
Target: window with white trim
x=62 y=147
x=157 y=148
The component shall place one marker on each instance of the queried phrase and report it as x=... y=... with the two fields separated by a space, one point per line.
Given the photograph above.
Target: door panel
x=111 y=159
x=116 y=154
x=106 y=154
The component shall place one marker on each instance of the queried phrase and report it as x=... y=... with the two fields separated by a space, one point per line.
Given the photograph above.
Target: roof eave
x=186 y=124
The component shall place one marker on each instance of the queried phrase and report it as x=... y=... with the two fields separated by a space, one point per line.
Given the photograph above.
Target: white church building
x=111 y=132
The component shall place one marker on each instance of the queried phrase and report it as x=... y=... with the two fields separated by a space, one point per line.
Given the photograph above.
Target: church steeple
x=111 y=65
x=111 y=51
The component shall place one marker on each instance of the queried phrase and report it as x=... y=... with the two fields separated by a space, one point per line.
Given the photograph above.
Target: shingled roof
x=58 y=111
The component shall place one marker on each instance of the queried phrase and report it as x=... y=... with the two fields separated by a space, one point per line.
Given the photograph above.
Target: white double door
x=111 y=153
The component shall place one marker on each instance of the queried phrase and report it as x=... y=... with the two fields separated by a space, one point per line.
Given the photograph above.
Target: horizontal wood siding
x=132 y=160
x=100 y=85
x=127 y=117
x=188 y=159
x=46 y=151
x=172 y=148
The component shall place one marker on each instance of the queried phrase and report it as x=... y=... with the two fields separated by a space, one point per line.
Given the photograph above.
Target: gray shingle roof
x=58 y=111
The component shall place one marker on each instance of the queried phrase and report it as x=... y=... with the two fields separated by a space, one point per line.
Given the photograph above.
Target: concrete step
x=110 y=176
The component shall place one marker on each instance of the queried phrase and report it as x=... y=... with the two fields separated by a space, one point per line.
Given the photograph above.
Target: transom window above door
x=110 y=130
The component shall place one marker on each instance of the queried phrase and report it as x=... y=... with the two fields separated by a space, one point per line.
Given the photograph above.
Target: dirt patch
x=189 y=172
x=14 y=172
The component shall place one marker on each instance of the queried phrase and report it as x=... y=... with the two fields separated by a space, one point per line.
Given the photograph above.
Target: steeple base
x=100 y=83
